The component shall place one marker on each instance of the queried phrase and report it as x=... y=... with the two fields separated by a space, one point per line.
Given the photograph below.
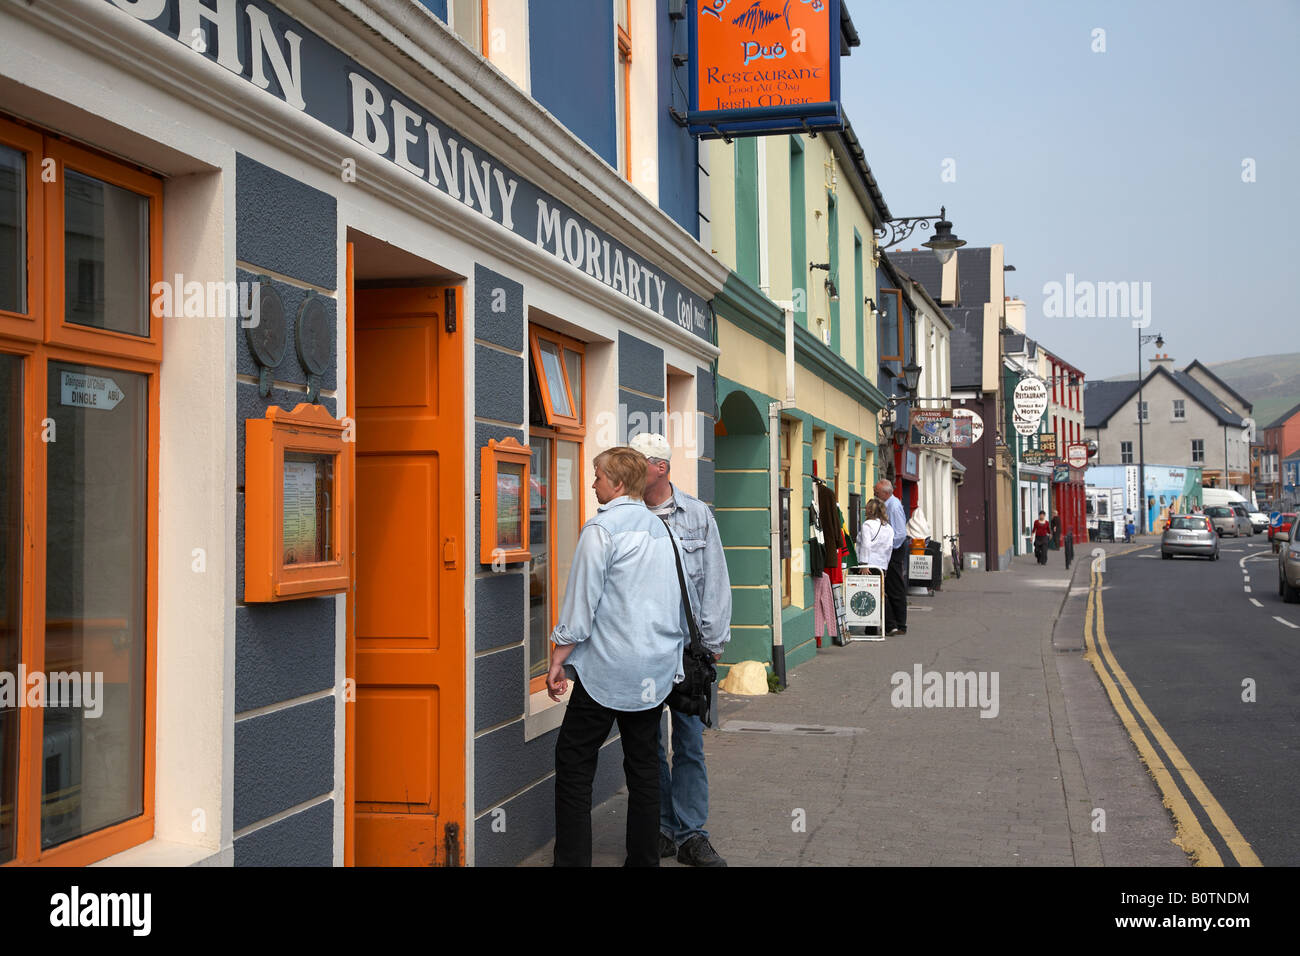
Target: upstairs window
x=623 y=87
x=1180 y=410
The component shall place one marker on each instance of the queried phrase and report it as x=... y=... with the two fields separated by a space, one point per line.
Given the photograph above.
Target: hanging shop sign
x=1076 y=455
x=967 y=427
x=278 y=54
x=1029 y=402
x=1040 y=448
x=932 y=427
x=1060 y=473
x=764 y=66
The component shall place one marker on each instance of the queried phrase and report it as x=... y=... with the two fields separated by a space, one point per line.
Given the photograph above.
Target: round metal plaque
x=267 y=333
x=315 y=335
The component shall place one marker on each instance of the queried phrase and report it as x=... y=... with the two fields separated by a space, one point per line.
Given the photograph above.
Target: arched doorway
x=742 y=502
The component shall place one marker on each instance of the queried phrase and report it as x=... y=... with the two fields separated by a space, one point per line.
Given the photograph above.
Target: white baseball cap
x=652 y=446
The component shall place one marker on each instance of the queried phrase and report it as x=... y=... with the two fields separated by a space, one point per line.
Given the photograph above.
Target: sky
x=1122 y=165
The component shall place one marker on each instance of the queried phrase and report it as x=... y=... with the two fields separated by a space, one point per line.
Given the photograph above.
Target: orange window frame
x=574 y=422
x=556 y=434
x=625 y=65
x=39 y=336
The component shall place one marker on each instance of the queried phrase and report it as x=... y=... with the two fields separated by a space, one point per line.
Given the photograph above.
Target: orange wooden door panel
x=410 y=649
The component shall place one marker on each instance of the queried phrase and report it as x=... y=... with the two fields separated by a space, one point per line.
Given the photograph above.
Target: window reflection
x=96 y=521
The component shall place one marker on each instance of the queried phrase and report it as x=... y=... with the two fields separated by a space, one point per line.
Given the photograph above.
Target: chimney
x=1161 y=359
x=1015 y=309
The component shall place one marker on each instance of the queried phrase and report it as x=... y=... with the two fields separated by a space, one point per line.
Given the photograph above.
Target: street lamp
x=1142 y=471
x=943 y=243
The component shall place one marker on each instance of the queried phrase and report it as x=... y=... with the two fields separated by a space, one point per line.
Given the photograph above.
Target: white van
x=1223 y=496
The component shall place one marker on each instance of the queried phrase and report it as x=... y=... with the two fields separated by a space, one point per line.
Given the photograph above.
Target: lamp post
x=1142 y=469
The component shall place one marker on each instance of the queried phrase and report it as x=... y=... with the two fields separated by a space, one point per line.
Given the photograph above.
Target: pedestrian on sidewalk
x=896 y=576
x=1130 y=529
x=620 y=637
x=1056 y=530
x=684 y=786
x=1042 y=534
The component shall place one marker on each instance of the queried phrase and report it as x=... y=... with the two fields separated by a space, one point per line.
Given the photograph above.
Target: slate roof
x=973 y=275
x=1102 y=399
x=966 y=347
x=922 y=266
x=1245 y=402
x=1206 y=399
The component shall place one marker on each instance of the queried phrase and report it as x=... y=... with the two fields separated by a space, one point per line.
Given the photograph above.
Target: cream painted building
x=793 y=216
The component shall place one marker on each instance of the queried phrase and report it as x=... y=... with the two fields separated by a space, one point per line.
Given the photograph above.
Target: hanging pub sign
x=967 y=427
x=1029 y=402
x=1043 y=450
x=932 y=427
x=764 y=66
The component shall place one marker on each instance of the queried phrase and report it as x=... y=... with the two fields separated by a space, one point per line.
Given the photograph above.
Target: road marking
x=1255 y=602
x=1283 y=620
x=1194 y=838
x=1246 y=588
x=1148 y=555
x=1246 y=579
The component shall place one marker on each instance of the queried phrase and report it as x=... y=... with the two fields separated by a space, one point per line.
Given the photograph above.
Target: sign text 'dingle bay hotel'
x=764 y=66
x=279 y=55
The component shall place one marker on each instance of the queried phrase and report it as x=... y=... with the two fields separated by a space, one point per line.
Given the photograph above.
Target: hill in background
x=1271 y=382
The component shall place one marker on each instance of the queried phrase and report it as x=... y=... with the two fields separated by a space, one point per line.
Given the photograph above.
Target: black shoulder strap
x=696 y=643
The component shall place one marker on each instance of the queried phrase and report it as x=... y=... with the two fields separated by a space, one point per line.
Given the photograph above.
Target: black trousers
x=1040 y=549
x=896 y=587
x=586 y=725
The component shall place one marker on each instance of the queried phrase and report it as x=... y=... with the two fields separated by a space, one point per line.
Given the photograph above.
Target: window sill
x=167 y=853
x=544 y=714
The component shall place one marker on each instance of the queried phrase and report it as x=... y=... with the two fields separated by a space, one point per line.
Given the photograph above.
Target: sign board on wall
x=1077 y=455
x=932 y=427
x=763 y=66
x=292 y=64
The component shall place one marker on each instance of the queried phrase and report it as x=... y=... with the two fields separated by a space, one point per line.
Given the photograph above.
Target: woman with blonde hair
x=875 y=537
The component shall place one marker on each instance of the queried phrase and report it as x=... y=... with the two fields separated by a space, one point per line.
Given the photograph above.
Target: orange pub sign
x=764 y=66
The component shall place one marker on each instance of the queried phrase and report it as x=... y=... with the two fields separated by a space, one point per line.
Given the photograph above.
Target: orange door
x=409 y=805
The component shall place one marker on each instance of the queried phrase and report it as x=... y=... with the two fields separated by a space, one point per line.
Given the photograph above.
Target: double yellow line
x=1190 y=835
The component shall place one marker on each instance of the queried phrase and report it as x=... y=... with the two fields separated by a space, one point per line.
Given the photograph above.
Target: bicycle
x=956 y=555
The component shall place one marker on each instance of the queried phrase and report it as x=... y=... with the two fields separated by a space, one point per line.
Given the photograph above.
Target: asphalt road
x=1189 y=632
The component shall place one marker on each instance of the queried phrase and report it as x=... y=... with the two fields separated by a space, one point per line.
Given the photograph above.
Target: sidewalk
x=830 y=772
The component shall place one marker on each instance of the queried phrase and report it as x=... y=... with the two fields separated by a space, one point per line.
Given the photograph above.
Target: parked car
x=1227 y=521
x=1288 y=567
x=1258 y=520
x=1190 y=534
x=1241 y=511
x=1280 y=522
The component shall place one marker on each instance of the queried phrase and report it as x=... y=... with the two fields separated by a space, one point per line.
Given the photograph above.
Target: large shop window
x=80 y=248
x=555 y=501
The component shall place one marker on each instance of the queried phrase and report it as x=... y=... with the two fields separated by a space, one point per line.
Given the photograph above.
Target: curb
x=1085 y=844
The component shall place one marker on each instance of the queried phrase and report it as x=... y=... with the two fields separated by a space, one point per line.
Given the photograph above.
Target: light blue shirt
x=705 y=564
x=623 y=609
x=897 y=520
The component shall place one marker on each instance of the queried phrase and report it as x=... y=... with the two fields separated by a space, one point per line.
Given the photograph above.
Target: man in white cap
x=684 y=788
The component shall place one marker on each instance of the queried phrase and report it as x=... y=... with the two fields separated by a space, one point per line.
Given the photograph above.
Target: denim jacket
x=705 y=566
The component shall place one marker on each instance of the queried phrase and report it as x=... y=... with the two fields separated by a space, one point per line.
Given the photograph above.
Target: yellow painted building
x=793 y=217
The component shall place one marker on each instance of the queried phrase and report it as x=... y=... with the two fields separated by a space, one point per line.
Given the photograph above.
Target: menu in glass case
x=510 y=485
x=305 y=504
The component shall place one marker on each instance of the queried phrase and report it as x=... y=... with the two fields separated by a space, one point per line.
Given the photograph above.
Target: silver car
x=1288 y=567
x=1227 y=521
x=1190 y=534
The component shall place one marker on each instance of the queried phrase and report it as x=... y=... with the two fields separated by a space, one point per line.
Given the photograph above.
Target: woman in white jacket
x=875 y=537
